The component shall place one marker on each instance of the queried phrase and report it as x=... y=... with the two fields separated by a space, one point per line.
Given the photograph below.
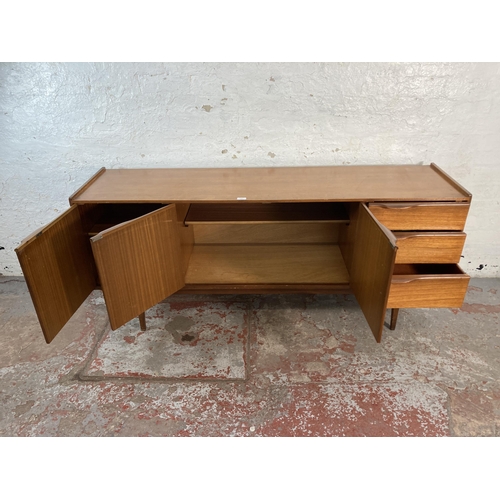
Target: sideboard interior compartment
x=244 y=213
x=266 y=264
x=266 y=243
x=102 y=216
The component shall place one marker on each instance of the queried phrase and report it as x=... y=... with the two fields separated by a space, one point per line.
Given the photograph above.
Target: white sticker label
x=241 y=198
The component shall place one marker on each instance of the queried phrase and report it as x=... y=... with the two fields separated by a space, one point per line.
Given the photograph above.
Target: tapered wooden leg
x=142 y=321
x=394 y=319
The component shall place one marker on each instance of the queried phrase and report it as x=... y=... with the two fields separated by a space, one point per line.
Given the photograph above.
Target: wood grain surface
x=438 y=285
x=347 y=235
x=59 y=271
x=429 y=247
x=266 y=264
x=309 y=288
x=373 y=259
x=265 y=213
x=139 y=264
x=186 y=235
x=421 y=216
x=320 y=232
x=280 y=184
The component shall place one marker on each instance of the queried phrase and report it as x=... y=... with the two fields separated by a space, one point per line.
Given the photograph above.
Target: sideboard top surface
x=282 y=184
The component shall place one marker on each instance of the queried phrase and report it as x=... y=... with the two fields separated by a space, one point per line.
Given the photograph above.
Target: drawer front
x=439 y=248
x=421 y=216
x=428 y=290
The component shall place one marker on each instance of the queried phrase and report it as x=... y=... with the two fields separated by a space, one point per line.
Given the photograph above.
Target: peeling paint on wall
x=60 y=123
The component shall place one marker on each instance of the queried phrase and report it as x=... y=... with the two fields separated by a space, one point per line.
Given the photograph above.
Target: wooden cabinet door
x=139 y=263
x=374 y=254
x=59 y=271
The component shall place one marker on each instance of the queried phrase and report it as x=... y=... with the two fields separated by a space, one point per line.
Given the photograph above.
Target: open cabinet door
x=59 y=271
x=373 y=257
x=139 y=264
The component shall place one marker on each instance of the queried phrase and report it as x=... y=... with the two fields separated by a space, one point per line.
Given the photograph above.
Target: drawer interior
x=245 y=244
x=426 y=270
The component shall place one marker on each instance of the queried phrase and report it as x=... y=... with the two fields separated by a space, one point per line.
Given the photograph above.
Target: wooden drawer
x=429 y=247
x=421 y=216
x=427 y=285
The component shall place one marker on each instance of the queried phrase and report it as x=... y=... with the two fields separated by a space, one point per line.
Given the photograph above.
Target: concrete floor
x=274 y=365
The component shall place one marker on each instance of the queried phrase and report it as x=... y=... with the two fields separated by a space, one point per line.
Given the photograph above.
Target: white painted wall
x=59 y=123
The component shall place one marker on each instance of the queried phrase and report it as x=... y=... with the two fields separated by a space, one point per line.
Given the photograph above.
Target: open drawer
x=395 y=269
x=427 y=285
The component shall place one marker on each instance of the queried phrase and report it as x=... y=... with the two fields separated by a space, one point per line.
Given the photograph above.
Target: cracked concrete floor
x=274 y=365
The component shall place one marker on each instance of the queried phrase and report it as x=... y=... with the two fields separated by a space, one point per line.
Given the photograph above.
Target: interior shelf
x=248 y=213
x=267 y=264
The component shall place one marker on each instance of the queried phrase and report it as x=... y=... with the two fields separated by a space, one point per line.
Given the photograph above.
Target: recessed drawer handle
x=407 y=280
x=407 y=237
x=388 y=207
x=418 y=277
x=410 y=279
x=430 y=235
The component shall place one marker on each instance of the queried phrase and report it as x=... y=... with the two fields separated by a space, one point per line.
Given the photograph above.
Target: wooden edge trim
x=34 y=299
x=403 y=205
x=378 y=337
x=392 y=240
x=255 y=222
x=395 y=206
x=386 y=231
x=451 y=181
x=30 y=237
x=182 y=210
x=408 y=278
x=450 y=234
x=185 y=221
x=266 y=289
x=86 y=185
x=39 y=232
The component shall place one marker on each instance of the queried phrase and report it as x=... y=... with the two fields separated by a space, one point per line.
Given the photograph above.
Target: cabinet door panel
x=139 y=264
x=373 y=259
x=59 y=271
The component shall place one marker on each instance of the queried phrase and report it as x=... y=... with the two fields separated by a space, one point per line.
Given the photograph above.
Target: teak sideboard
x=391 y=235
